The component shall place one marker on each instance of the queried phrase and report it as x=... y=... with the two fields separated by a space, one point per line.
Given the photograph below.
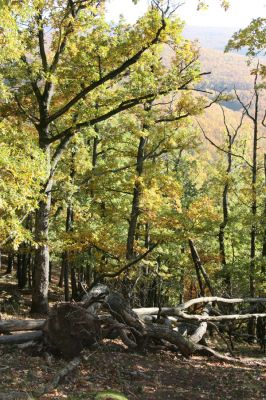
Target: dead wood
x=202 y=328
x=72 y=326
x=69 y=328
x=207 y=351
x=21 y=337
x=175 y=310
x=68 y=368
x=21 y=325
x=200 y=269
x=184 y=345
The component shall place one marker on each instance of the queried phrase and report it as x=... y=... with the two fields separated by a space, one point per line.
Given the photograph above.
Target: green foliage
x=95 y=119
x=253 y=37
x=22 y=172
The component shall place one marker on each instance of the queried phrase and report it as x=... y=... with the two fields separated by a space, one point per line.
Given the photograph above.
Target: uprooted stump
x=69 y=328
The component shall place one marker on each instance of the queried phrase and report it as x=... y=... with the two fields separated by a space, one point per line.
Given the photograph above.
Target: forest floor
x=110 y=370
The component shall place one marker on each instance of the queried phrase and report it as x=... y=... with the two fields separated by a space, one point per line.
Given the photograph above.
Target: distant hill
x=229 y=71
x=210 y=37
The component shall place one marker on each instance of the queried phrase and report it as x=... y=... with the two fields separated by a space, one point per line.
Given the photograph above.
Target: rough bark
x=40 y=282
x=21 y=337
x=21 y=325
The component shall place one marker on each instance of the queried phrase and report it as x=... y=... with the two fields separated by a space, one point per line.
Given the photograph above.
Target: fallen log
x=175 y=311
x=184 y=345
x=202 y=328
x=220 y=318
x=21 y=337
x=15 y=325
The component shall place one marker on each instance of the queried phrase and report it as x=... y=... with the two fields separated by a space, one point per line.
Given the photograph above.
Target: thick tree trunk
x=41 y=266
x=40 y=279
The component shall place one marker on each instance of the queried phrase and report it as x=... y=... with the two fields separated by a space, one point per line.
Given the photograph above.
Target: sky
x=239 y=15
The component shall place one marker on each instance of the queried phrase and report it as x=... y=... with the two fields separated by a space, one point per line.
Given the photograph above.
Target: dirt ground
x=149 y=377
x=110 y=367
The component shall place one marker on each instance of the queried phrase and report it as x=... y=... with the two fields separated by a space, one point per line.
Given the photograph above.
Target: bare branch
x=221 y=149
x=124 y=268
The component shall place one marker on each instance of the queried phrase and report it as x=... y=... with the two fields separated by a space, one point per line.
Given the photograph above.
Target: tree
x=113 y=73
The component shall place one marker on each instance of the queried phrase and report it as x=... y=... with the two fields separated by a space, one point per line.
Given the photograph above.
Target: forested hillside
x=132 y=201
x=229 y=72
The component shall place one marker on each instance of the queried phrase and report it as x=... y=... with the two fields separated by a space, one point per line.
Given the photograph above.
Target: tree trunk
x=200 y=270
x=226 y=272
x=263 y=266
x=62 y=273
x=135 y=211
x=19 y=268
x=40 y=281
x=10 y=263
x=41 y=266
x=253 y=233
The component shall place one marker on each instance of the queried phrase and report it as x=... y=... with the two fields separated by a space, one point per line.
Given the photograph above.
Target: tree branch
x=124 y=268
x=111 y=75
x=220 y=148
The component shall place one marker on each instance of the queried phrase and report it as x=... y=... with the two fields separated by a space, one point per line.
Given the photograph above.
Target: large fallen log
x=14 y=325
x=21 y=337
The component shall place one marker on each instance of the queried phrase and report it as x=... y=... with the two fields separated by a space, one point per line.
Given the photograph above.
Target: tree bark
x=135 y=211
x=20 y=338
x=15 y=325
x=40 y=282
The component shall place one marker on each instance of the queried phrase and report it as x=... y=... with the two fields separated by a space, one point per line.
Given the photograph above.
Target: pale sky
x=239 y=15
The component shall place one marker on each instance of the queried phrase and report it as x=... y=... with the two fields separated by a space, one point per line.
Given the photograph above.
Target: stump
x=69 y=328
